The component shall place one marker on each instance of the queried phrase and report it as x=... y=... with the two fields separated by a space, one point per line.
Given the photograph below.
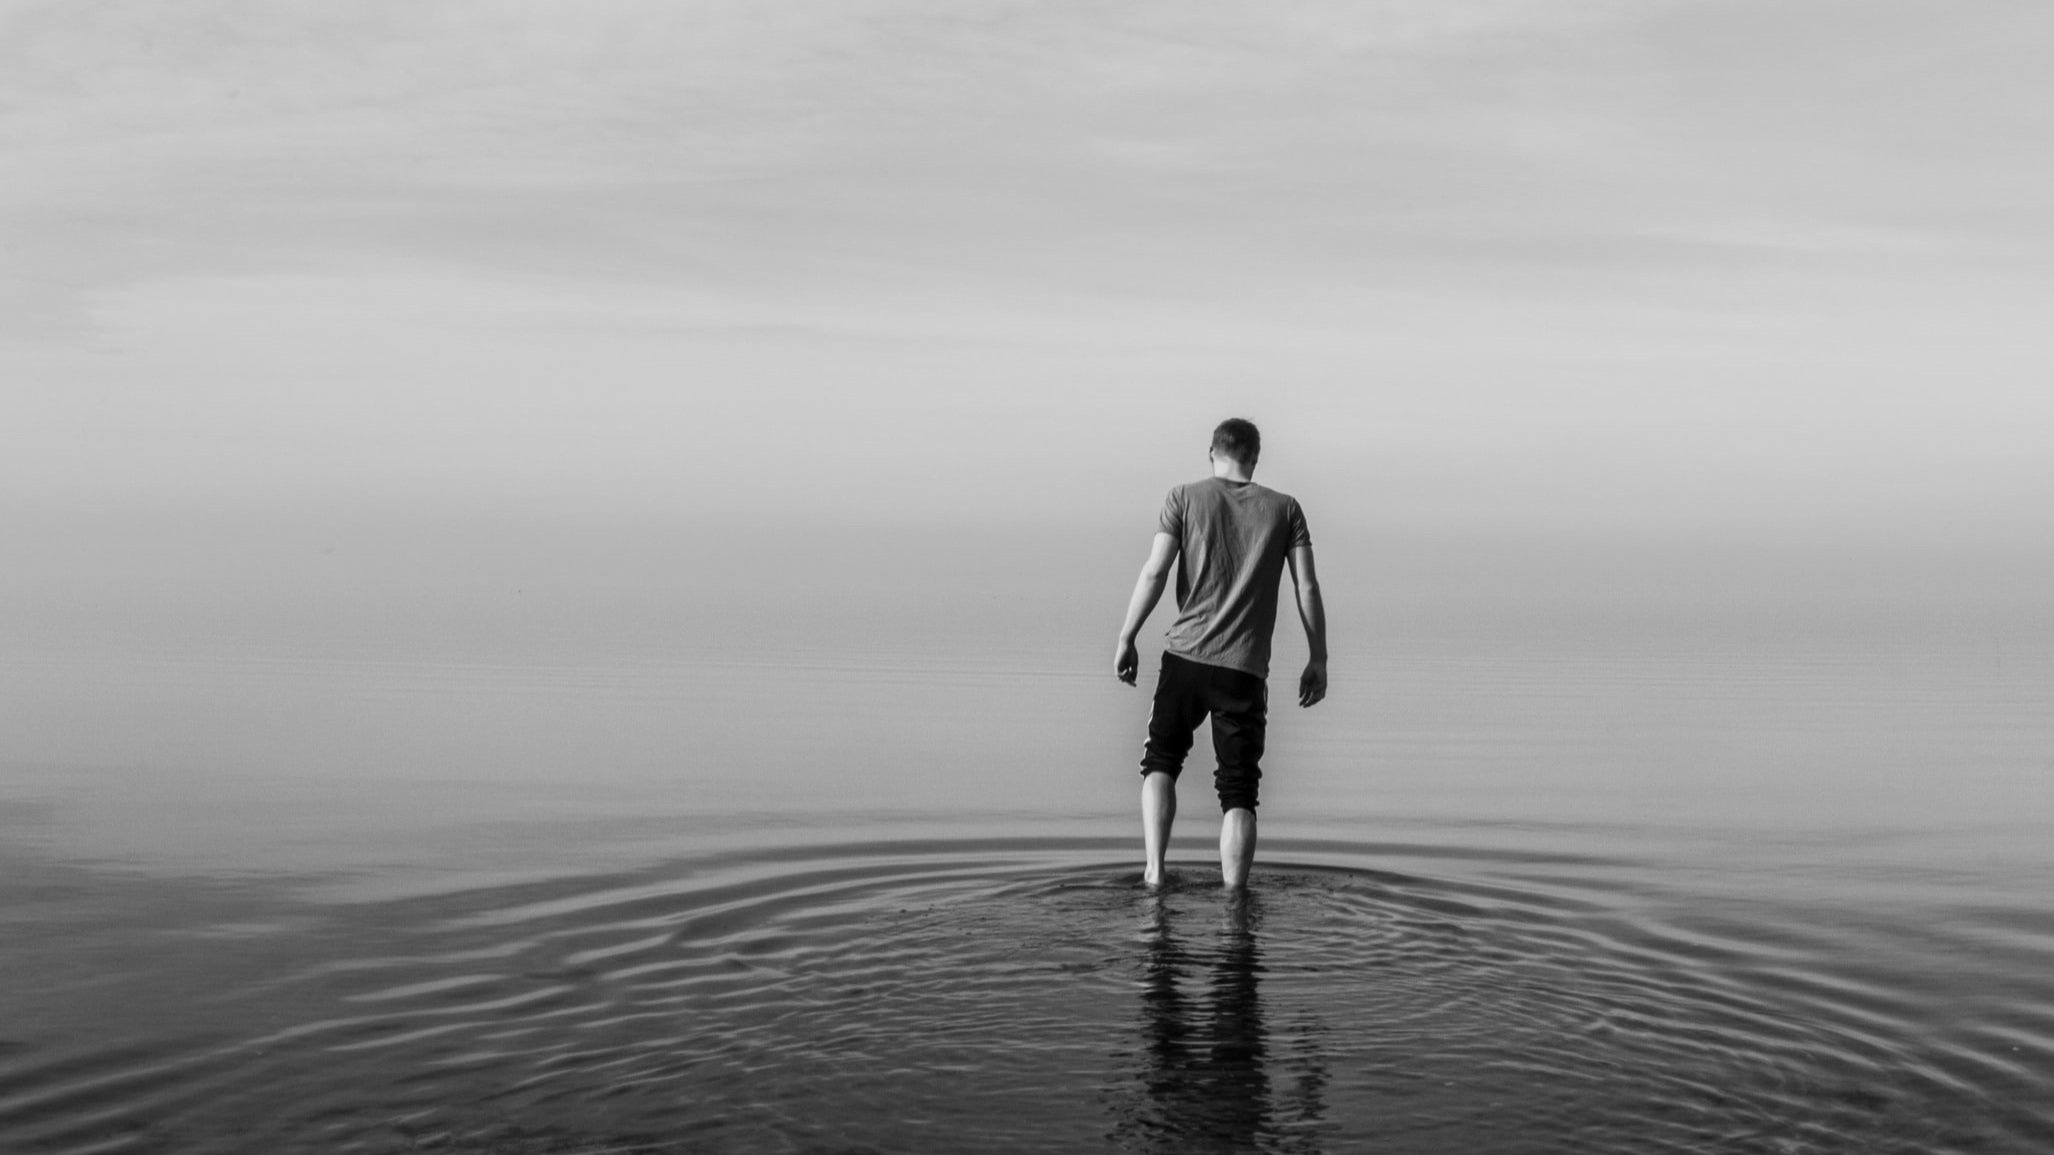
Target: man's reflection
x=1204 y=1073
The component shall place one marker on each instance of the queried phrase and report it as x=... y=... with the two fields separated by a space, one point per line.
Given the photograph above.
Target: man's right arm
x=1148 y=590
x=1312 y=614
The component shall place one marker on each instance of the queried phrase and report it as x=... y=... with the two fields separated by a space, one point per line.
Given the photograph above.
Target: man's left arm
x=1312 y=614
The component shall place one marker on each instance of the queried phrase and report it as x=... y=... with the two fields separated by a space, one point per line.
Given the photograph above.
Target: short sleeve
x=1300 y=535
x=1172 y=520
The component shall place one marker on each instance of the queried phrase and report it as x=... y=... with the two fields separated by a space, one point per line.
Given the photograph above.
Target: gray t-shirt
x=1234 y=536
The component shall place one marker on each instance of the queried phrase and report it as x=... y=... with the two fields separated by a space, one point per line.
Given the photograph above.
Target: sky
x=1475 y=266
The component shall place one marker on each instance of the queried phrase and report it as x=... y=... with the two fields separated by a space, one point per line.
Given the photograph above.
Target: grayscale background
x=559 y=564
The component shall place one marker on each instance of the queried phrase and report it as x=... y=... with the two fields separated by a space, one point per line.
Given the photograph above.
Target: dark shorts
x=1238 y=702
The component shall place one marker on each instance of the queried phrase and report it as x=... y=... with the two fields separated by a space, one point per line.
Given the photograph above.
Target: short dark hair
x=1239 y=439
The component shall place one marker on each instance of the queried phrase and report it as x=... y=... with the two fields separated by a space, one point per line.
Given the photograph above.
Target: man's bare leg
x=1158 y=811
x=1237 y=846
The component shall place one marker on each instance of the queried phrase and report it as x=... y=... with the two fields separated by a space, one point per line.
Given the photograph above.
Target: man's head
x=1239 y=440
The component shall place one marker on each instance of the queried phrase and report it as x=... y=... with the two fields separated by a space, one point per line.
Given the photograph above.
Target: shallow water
x=901 y=994
x=1709 y=892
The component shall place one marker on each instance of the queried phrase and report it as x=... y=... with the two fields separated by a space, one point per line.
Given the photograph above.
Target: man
x=1235 y=538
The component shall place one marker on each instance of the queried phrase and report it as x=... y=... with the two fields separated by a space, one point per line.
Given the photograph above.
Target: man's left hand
x=1312 y=684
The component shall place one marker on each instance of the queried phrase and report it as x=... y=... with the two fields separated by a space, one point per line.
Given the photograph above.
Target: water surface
x=1649 y=889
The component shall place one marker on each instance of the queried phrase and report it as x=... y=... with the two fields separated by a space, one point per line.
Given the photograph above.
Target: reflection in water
x=1206 y=1062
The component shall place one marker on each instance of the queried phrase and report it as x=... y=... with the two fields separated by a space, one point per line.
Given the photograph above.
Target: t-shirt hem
x=1258 y=671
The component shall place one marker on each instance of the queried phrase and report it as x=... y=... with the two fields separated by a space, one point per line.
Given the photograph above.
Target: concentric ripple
x=1028 y=995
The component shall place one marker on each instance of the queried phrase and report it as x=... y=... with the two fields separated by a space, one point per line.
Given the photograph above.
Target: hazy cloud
x=1486 y=260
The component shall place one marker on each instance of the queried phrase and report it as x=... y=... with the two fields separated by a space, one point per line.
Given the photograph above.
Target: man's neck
x=1228 y=469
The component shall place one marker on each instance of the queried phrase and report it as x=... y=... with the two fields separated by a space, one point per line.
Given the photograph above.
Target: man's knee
x=1159 y=757
x=1238 y=785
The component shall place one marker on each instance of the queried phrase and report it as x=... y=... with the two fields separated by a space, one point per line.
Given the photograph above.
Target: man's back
x=1233 y=538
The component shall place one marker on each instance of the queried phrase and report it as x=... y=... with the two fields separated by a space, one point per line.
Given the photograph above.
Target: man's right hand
x=1126 y=661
